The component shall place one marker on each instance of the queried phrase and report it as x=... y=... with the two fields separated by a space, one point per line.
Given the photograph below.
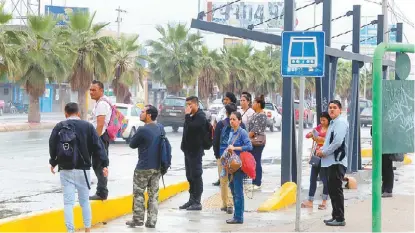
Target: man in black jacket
x=72 y=145
x=192 y=145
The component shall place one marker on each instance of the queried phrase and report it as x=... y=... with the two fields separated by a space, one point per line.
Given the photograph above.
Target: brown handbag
x=259 y=140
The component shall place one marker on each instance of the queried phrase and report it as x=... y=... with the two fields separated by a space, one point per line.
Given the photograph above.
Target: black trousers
x=336 y=174
x=387 y=174
x=194 y=171
x=102 y=189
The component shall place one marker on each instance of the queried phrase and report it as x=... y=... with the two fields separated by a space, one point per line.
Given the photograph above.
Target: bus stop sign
x=303 y=54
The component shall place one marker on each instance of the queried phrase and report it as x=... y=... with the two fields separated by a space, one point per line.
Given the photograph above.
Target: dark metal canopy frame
x=325 y=86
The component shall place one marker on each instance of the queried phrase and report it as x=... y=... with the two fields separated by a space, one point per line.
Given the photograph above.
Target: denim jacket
x=242 y=140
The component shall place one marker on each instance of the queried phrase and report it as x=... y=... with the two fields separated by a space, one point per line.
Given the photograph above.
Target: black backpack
x=68 y=153
x=165 y=153
x=208 y=136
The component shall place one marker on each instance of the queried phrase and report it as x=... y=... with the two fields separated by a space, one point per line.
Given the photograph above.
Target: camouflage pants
x=146 y=179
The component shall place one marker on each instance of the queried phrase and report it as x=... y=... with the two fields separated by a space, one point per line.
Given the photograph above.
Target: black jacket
x=89 y=143
x=193 y=131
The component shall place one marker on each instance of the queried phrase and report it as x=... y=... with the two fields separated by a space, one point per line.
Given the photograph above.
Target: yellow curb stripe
x=102 y=211
x=281 y=198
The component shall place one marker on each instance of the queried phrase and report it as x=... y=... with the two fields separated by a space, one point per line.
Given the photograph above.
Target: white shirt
x=101 y=108
x=221 y=115
x=246 y=115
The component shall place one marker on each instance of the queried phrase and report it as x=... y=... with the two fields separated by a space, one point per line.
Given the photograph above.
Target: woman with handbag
x=318 y=135
x=238 y=142
x=256 y=127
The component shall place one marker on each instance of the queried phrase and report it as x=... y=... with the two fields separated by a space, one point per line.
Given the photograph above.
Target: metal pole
x=287 y=142
x=327 y=93
x=399 y=32
x=299 y=154
x=385 y=29
x=377 y=128
x=198 y=31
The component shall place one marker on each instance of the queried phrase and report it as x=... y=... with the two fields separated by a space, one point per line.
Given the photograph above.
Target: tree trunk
x=34 y=110
x=83 y=107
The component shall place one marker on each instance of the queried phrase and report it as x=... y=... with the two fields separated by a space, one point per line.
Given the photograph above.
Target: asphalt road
x=27 y=184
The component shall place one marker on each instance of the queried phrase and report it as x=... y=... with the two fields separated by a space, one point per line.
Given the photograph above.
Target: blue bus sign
x=303 y=54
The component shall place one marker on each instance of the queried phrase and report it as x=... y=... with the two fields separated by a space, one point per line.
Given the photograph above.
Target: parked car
x=2 y=106
x=273 y=117
x=363 y=103
x=171 y=112
x=132 y=116
x=215 y=107
x=308 y=114
x=366 y=117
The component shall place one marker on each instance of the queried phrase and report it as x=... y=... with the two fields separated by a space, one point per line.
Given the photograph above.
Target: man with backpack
x=194 y=131
x=72 y=145
x=101 y=115
x=148 y=170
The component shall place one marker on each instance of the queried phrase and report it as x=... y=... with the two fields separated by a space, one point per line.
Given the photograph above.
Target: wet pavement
x=22 y=117
x=28 y=186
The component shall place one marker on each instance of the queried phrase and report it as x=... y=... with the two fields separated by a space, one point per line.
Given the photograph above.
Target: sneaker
x=386 y=194
x=97 y=198
x=328 y=220
x=185 y=205
x=233 y=221
x=229 y=210
x=335 y=223
x=148 y=225
x=224 y=209
x=134 y=223
x=195 y=207
x=256 y=187
x=217 y=183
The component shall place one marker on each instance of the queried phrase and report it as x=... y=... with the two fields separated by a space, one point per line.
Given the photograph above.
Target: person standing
x=334 y=156
x=192 y=145
x=257 y=126
x=101 y=115
x=238 y=142
x=246 y=111
x=147 y=172
x=321 y=129
x=72 y=145
x=229 y=98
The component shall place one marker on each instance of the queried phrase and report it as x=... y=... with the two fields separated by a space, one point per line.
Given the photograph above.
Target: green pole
x=377 y=128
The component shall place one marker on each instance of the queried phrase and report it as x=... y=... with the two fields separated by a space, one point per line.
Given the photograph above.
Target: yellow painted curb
x=282 y=198
x=366 y=152
x=407 y=160
x=102 y=211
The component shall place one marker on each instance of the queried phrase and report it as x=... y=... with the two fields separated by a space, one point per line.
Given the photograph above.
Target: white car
x=274 y=118
x=132 y=114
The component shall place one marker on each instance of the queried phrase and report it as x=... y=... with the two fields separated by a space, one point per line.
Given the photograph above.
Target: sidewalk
x=398 y=212
x=22 y=126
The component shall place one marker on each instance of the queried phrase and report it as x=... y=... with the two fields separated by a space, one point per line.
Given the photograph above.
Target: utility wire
x=202 y=14
x=369 y=38
x=349 y=13
x=346 y=32
x=252 y=26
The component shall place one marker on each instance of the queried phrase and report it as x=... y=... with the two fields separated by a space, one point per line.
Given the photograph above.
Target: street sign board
x=368 y=35
x=61 y=13
x=303 y=54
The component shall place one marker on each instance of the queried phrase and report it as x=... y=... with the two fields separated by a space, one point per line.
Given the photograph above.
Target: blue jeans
x=315 y=172
x=237 y=190
x=72 y=180
x=257 y=153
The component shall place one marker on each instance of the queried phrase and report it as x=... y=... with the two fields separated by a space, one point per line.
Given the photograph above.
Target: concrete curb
x=283 y=197
x=26 y=126
x=102 y=211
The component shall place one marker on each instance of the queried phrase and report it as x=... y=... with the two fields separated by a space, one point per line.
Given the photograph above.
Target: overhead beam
x=275 y=40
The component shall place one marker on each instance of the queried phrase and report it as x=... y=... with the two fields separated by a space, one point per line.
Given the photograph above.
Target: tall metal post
x=198 y=31
x=354 y=125
x=399 y=32
x=288 y=154
x=380 y=34
x=327 y=93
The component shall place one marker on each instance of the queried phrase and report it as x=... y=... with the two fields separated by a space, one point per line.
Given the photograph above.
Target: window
x=269 y=106
x=123 y=110
x=175 y=102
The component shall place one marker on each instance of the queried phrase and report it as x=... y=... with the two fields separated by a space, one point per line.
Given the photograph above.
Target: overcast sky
x=143 y=15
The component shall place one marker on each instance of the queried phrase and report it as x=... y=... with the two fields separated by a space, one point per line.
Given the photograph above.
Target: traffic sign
x=303 y=54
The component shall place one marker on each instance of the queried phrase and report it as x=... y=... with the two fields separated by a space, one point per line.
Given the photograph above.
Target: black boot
x=217 y=183
x=188 y=203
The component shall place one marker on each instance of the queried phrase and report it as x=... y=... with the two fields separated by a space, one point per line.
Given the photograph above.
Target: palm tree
x=239 y=68
x=174 y=57
x=343 y=81
x=8 y=46
x=40 y=60
x=213 y=70
x=91 y=52
x=127 y=68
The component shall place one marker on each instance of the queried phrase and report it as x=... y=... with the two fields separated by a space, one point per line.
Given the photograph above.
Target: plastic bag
x=248 y=164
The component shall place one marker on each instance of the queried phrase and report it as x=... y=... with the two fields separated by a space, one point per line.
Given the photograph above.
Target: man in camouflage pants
x=147 y=172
